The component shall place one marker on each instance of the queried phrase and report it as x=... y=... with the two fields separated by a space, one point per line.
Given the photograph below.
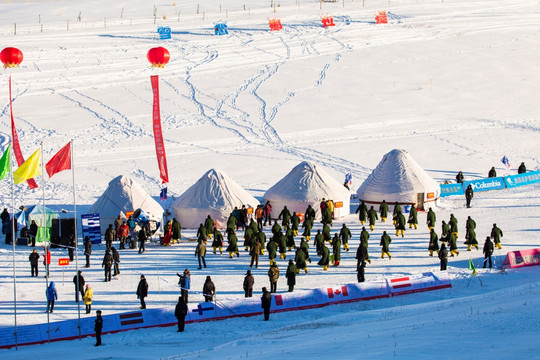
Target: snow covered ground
x=451 y=82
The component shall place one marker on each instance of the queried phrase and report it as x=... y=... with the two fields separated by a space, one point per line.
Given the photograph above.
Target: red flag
x=60 y=161
x=158 y=136
x=16 y=147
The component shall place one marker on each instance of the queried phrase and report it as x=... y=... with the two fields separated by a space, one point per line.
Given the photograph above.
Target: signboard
x=495 y=183
x=338 y=204
x=164 y=32
x=91 y=227
x=522 y=258
x=451 y=189
x=522 y=179
x=63 y=261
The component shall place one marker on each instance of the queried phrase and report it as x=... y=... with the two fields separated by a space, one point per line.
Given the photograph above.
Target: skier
x=413 y=217
x=180 y=312
x=488 y=251
x=469 y=195
x=107 y=264
x=443 y=256
x=209 y=290
x=345 y=235
x=248 y=284
x=496 y=235
x=142 y=291
x=385 y=243
x=433 y=242
x=291 y=275
x=383 y=210
x=34 y=258
x=273 y=276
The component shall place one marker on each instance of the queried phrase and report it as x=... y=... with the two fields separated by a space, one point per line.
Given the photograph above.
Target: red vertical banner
x=16 y=147
x=158 y=135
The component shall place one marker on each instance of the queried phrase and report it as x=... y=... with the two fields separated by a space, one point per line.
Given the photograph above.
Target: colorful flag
x=29 y=169
x=163 y=194
x=505 y=161
x=471 y=267
x=60 y=161
x=5 y=163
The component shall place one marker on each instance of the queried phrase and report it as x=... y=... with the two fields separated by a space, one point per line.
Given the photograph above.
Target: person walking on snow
x=217 y=242
x=180 y=313
x=290 y=274
x=336 y=249
x=431 y=219
x=443 y=256
x=266 y=302
x=488 y=251
x=496 y=235
x=345 y=235
x=362 y=211
x=200 y=252
x=273 y=276
x=373 y=217
x=385 y=243
x=142 y=291
x=413 y=217
x=469 y=195
x=248 y=284
x=433 y=242
x=383 y=210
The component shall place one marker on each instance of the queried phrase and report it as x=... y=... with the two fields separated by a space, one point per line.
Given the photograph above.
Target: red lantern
x=11 y=57
x=158 y=56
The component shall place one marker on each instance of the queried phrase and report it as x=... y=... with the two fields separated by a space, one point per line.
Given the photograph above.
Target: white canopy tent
x=307 y=184
x=398 y=177
x=122 y=195
x=214 y=194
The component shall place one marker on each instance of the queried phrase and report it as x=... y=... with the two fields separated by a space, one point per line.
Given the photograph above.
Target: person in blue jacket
x=52 y=295
x=184 y=283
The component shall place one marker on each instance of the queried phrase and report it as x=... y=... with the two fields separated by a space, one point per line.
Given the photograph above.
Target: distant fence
x=496 y=183
x=228 y=308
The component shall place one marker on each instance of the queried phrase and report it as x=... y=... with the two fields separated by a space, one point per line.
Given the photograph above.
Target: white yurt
x=398 y=177
x=307 y=184
x=214 y=194
x=123 y=195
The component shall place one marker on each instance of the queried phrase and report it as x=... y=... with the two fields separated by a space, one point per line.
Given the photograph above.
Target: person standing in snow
x=98 y=327
x=87 y=298
x=87 y=250
x=266 y=302
x=273 y=276
x=200 y=252
x=142 y=291
x=254 y=253
x=248 y=284
x=107 y=264
x=142 y=240
x=209 y=290
x=488 y=251
x=33 y=232
x=492 y=172
x=176 y=231
x=78 y=280
x=443 y=256
x=290 y=274
x=123 y=233
x=459 y=177
x=180 y=313
x=52 y=296
x=469 y=195
x=267 y=213
x=184 y=282
x=361 y=255
x=34 y=259
x=522 y=169
x=110 y=234
x=470 y=235
x=116 y=261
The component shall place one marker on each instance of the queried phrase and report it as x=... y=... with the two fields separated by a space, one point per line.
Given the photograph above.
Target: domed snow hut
x=214 y=194
x=122 y=195
x=307 y=184
x=398 y=177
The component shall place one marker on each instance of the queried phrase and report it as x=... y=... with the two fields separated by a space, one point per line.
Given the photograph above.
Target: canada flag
x=338 y=293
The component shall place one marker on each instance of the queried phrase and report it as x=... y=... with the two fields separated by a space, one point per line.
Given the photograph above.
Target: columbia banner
x=16 y=147
x=158 y=136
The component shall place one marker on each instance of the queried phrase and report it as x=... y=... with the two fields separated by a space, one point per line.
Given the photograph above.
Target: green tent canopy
x=43 y=218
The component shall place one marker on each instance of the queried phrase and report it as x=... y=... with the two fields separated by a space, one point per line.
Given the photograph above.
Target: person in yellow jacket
x=88 y=294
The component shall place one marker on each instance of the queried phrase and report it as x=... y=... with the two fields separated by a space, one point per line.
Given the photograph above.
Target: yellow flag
x=29 y=169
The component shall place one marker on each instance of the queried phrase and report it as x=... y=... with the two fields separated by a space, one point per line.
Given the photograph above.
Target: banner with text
x=158 y=135
x=495 y=183
x=522 y=258
x=522 y=179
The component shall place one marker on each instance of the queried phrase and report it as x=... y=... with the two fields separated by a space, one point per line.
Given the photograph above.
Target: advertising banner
x=487 y=184
x=91 y=227
x=522 y=179
x=451 y=189
x=522 y=258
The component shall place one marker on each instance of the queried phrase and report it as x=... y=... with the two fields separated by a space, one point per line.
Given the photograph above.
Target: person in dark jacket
x=209 y=226
x=362 y=211
x=217 y=242
x=200 y=252
x=325 y=257
x=110 y=235
x=52 y=296
x=361 y=255
x=273 y=276
x=459 y=177
x=107 y=264
x=300 y=259
x=34 y=258
x=255 y=252
x=87 y=250
x=142 y=240
x=385 y=243
x=522 y=169
x=185 y=284
x=372 y=217
x=383 y=210
x=176 y=232
x=98 y=327
x=71 y=247
x=290 y=274
x=5 y=220
x=248 y=284
x=180 y=313
x=413 y=217
x=142 y=291
x=431 y=219
x=400 y=224
x=336 y=249
x=209 y=290
x=496 y=235
x=488 y=251
x=364 y=240
x=469 y=195
x=266 y=302
x=116 y=261
x=492 y=172
x=78 y=280
x=443 y=256
x=433 y=242
x=33 y=232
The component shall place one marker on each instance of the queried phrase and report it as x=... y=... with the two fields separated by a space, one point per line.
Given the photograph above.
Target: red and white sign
x=418 y=283
x=338 y=294
x=400 y=283
x=158 y=135
x=63 y=261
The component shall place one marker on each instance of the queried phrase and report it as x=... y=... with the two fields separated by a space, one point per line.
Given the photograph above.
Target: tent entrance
x=420 y=201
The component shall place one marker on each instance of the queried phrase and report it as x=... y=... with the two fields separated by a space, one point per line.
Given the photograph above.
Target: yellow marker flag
x=29 y=169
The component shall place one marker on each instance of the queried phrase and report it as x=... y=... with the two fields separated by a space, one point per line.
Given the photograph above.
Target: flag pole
x=76 y=238
x=13 y=237
x=46 y=247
